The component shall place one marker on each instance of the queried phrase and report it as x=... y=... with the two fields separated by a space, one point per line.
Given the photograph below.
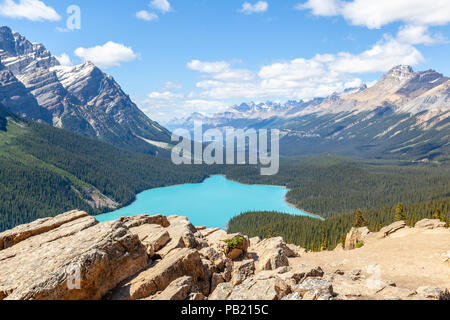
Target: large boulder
x=430 y=292
x=222 y=291
x=153 y=237
x=178 y=263
x=295 y=251
x=355 y=236
x=271 y=254
x=179 y=289
x=139 y=220
x=241 y=271
x=252 y=290
x=392 y=228
x=79 y=260
x=182 y=235
x=430 y=224
x=314 y=289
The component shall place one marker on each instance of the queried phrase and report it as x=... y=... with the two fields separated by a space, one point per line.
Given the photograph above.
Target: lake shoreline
x=315 y=216
x=268 y=198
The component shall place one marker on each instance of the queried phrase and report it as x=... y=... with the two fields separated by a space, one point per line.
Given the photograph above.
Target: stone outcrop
x=179 y=289
x=182 y=235
x=73 y=256
x=271 y=254
x=355 y=236
x=23 y=232
x=40 y=267
x=177 y=264
x=430 y=224
x=387 y=231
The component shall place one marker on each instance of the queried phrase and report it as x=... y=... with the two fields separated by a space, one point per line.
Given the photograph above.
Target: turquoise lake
x=212 y=203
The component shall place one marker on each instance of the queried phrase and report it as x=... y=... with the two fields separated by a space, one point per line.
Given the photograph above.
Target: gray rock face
x=18 y=99
x=81 y=98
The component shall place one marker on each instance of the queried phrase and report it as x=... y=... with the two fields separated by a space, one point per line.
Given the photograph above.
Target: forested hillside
x=313 y=233
x=329 y=185
x=45 y=171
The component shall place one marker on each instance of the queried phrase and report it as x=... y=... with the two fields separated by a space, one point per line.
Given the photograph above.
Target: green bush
x=234 y=243
x=359 y=245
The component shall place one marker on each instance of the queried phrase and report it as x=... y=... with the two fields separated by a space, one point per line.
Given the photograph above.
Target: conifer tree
x=360 y=221
x=323 y=246
x=400 y=213
x=437 y=214
x=443 y=216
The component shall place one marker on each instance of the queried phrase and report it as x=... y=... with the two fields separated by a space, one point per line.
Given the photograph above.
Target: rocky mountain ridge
x=405 y=115
x=72 y=257
x=80 y=98
x=397 y=88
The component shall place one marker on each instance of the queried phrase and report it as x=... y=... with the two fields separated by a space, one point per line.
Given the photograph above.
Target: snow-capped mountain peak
x=80 y=98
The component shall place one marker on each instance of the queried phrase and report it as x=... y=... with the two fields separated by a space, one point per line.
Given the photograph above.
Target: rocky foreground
x=72 y=256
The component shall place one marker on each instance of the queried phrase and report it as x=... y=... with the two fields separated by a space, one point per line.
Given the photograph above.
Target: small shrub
x=359 y=245
x=234 y=243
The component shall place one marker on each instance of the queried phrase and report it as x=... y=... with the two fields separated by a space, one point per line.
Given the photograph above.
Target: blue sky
x=204 y=55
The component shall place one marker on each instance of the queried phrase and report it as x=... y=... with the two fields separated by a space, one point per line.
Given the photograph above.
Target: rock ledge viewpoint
x=73 y=256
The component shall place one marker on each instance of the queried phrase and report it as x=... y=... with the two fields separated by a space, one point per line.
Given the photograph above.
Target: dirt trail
x=410 y=257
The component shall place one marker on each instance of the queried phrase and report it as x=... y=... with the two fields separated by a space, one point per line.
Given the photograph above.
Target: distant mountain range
x=79 y=98
x=405 y=115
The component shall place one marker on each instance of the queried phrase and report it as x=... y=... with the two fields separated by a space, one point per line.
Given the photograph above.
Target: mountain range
x=406 y=114
x=82 y=98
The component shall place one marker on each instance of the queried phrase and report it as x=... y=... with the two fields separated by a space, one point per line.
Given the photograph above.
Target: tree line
x=314 y=234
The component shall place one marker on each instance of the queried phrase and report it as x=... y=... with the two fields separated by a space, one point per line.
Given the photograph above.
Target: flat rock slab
x=12 y=237
x=103 y=253
x=255 y=290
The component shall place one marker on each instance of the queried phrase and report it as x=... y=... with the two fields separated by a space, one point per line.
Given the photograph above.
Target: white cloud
x=375 y=14
x=147 y=16
x=165 y=95
x=381 y=57
x=64 y=60
x=33 y=10
x=221 y=70
x=321 y=7
x=108 y=55
x=172 y=85
x=258 y=7
x=161 y=5
x=208 y=67
x=418 y=35
x=303 y=78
